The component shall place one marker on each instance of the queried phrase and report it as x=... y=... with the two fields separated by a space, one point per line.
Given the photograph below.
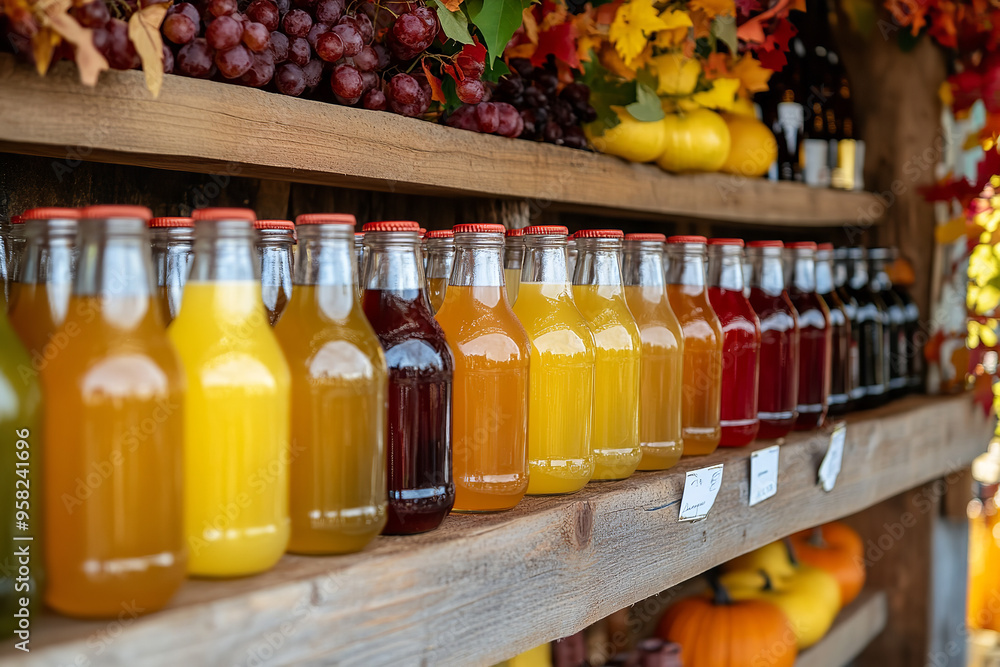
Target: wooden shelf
x=211 y=127
x=854 y=628
x=484 y=587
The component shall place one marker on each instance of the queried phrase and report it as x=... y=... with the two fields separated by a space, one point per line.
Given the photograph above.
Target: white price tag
x=700 y=490
x=763 y=474
x=830 y=467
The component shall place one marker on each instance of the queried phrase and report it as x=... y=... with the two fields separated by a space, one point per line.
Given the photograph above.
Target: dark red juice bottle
x=815 y=337
x=778 y=384
x=421 y=488
x=841 y=270
x=740 y=342
x=898 y=349
x=870 y=332
x=840 y=332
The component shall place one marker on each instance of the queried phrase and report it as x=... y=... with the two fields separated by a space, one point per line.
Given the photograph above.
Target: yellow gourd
x=634 y=140
x=752 y=146
x=695 y=140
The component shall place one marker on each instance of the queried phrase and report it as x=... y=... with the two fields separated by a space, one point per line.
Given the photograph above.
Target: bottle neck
x=440 y=257
x=478 y=261
x=767 y=272
x=598 y=263
x=394 y=262
x=686 y=264
x=725 y=267
x=824 y=274
x=642 y=264
x=840 y=272
x=804 y=271
x=115 y=259
x=858 y=273
x=880 y=280
x=50 y=252
x=544 y=260
x=326 y=256
x=513 y=254
x=224 y=252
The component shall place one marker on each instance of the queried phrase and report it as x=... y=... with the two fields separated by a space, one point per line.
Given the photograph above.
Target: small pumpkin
x=838 y=549
x=752 y=146
x=696 y=140
x=717 y=631
x=634 y=140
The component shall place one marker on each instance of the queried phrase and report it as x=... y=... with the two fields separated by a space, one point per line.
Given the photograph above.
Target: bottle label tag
x=701 y=487
x=791 y=119
x=859 y=164
x=763 y=474
x=815 y=159
x=830 y=467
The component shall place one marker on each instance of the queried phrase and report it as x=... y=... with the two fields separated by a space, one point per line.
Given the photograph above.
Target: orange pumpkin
x=715 y=631
x=838 y=549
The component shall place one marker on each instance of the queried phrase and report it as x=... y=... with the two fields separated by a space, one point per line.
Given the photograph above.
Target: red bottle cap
x=439 y=234
x=765 y=244
x=736 y=242
x=824 y=246
x=423 y=232
x=479 y=228
x=545 y=229
x=326 y=219
x=359 y=235
x=687 y=239
x=391 y=226
x=801 y=245
x=515 y=232
x=17 y=219
x=646 y=237
x=599 y=234
x=171 y=222
x=217 y=214
x=51 y=213
x=274 y=224
x=105 y=211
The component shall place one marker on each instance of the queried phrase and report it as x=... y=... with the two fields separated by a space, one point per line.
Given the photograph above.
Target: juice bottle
x=778 y=386
x=490 y=399
x=600 y=296
x=275 y=239
x=571 y=256
x=18 y=241
x=840 y=331
x=740 y=342
x=870 y=334
x=561 y=382
x=236 y=412
x=40 y=298
x=173 y=248
x=513 y=257
x=702 y=389
x=338 y=497
x=914 y=333
x=20 y=480
x=899 y=351
x=439 y=248
x=421 y=371
x=815 y=337
x=661 y=363
x=113 y=440
x=856 y=391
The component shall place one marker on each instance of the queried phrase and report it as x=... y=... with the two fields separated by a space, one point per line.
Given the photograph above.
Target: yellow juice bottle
x=236 y=412
x=598 y=293
x=513 y=257
x=439 y=247
x=561 y=380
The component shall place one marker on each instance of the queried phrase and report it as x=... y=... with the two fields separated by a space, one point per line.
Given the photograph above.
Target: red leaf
x=454 y=72
x=779 y=37
x=773 y=60
x=966 y=88
x=436 y=93
x=560 y=41
x=475 y=51
x=747 y=7
x=957 y=188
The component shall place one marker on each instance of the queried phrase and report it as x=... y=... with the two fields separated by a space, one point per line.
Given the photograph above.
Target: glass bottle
x=840 y=331
x=5 y=226
x=439 y=248
x=40 y=299
x=173 y=248
x=561 y=381
x=815 y=338
x=359 y=257
x=513 y=255
x=899 y=343
x=702 y=388
x=914 y=332
x=338 y=500
x=571 y=256
x=275 y=239
x=778 y=386
x=740 y=342
x=113 y=473
x=421 y=371
x=491 y=351
x=662 y=360
x=18 y=240
x=236 y=412
x=870 y=334
x=599 y=294
x=840 y=272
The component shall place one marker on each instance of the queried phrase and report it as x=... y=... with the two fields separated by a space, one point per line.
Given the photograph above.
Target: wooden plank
x=205 y=126
x=856 y=625
x=485 y=587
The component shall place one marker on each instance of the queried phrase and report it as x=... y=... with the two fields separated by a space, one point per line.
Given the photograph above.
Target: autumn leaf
x=747 y=7
x=559 y=41
x=717 y=65
x=530 y=24
x=714 y=8
x=89 y=60
x=437 y=94
x=722 y=95
x=774 y=60
x=144 y=31
x=752 y=76
x=43 y=46
x=634 y=22
x=452 y=5
x=781 y=33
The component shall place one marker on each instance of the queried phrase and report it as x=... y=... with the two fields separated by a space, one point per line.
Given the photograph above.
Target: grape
x=221 y=7
x=313 y=72
x=179 y=29
x=279 y=46
x=410 y=30
x=411 y=110
x=330 y=47
x=562 y=112
x=93 y=14
x=224 y=33
x=188 y=10
x=264 y=11
x=577 y=94
x=574 y=137
x=370 y=80
x=168 y=60
x=488 y=116
x=329 y=11
x=351 y=38
x=464 y=118
x=366 y=60
x=587 y=115
x=403 y=89
x=510 y=86
x=553 y=133
x=528 y=123
x=283 y=6
x=533 y=97
x=470 y=91
x=234 y=62
x=547 y=82
x=522 y=66
x=195 y=58
x=241 y=17
x=430 y=19
x=375 y=99
x=470 y=66
x=290 y=80
x=256 y=36
x=121 y=52
x=315 y=31
x=347 y=82
x=305 y=4
x=365 y=28
x=383 y=56
x=299 y=51
x=261 y=72
x=511 y=124
x=297 y=23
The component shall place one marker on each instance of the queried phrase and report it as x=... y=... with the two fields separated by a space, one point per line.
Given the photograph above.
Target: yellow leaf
x=43 y=46
x=674 y=18
x=951 y=231
x=634 y=22
x=668 y=39
x=752 y=76
x=676 y=74
x=144 y=31
x=945 y=94
x=714 y=7
x=89 y=60
x=530 y=25
x=722 y=95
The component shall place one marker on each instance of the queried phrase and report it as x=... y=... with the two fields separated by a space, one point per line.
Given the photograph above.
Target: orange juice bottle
x=275 y=239
x=236 y=412
x=513 y=257
x=113 y=442
x=490 y=399
x=702 y=389
x=173 y=247
x=661 y=366
x=439 y=249
x=338 y=481
x=561 y=381
x=599 y=294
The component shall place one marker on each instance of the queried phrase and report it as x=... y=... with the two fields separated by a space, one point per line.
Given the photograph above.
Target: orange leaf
x=43 y=46
x=702 y=23
x=717 y=65
x=452 y=5
x=436 y=93
x=144 y=31
x=714 y=8
x=89 y=60
x=753 y=78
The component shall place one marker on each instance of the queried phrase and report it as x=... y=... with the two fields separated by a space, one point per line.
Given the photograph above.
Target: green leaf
x=606 y=92
x=497 y=20
x=450 y=94
x=454 y=24
x=724 y=29
x=495 y=70
x=647 y=105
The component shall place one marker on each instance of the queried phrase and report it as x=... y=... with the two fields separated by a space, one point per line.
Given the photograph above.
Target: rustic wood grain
x=204 y=126
x=485 y=587
x=856 y=625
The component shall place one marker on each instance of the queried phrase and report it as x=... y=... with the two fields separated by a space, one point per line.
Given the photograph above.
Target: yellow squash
x=634 y=140
x=695 y=140
x=752 y=146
